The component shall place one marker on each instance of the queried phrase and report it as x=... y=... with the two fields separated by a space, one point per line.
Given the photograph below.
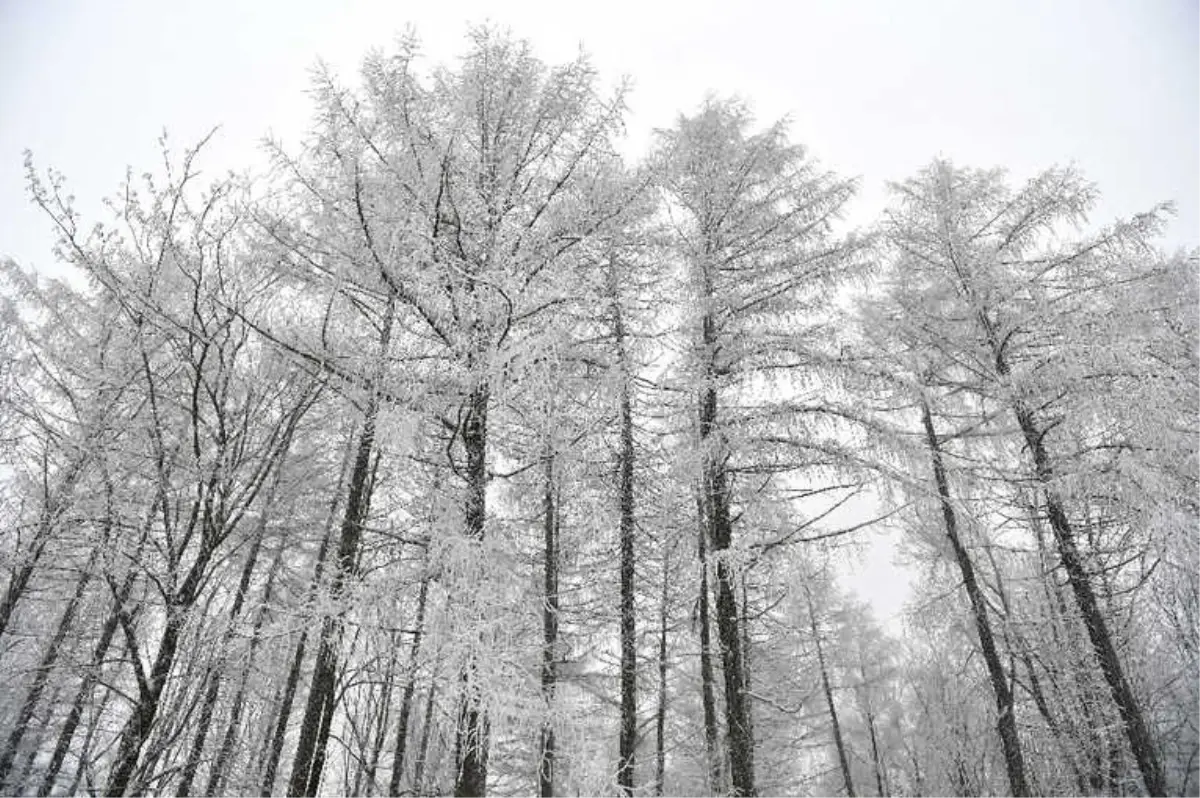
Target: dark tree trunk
x=660 y=719
x=627 y=756
x=318 y=711
x=827 y=689
x=876 y=761
x=423 y=748
x=1140 y=741
x=550 y=611
x=275 y=750
x=707 y=682
x=215 y=672
x=471 y=734
x=88 y=684
x=45 y=665
x=1006 y=723
x=406 y=698
x=18 y=583
x=218 y=776
x=720 y=531
x=145 y=711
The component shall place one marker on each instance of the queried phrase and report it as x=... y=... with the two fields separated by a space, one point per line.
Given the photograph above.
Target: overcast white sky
x=875 y=88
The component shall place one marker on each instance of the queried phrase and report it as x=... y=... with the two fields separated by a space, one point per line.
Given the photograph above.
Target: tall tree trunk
x=218 y=775
x=1006 y=723
x=707 y=682
x=46 y=664
x=319 y=709
x=550 y=611
x=423 y=748
x=410 y=684
x=380 y=724
x=471 y=733
x=660 y=719
x=275 y=750
x=876 y=761
x=18 y=583
x=87 y=685
x=720 y=531
x=1140 y=741
x=836 y=727
x=145 y=711
x=215 y=672
x=627 y=748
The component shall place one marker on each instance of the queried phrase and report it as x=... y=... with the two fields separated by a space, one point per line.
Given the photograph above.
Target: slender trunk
x=319 y=709
x=45 y=665
x=281 y=721
x=1063 y=639
x=18 y=583
x=381 y=724
x=550 y=611
x=660 y=720
x=406 y=698
x=746 y=662
x=1140 y=741
x=720 y=530
x=707 y=682
x=219 y=774
x=838 y=742
x=877 y=763
x=87 y=685
x=314 y=728
x=275 y=750
x=137 y=728
x=215 y=672
x=627 y=748
x=471 y=734
x=423 y=748
x=85 y=749
x=1006 y=724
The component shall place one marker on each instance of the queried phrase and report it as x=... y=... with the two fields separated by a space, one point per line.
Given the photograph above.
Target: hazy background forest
x=479 y=435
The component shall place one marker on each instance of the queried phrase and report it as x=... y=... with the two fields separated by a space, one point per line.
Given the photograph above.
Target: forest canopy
x=455 y=452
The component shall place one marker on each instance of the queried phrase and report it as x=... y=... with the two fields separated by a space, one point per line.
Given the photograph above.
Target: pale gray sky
x=875 y=88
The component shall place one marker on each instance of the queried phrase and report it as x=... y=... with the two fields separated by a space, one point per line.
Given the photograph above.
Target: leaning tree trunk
x=215 y=672
x=1006 y=723
x=838 y=742
x=274 y=751
x=318 y=711
x=219 y=775
x=145 y=711
x=90 y=678
x=1140 y=741
x=46 y=664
